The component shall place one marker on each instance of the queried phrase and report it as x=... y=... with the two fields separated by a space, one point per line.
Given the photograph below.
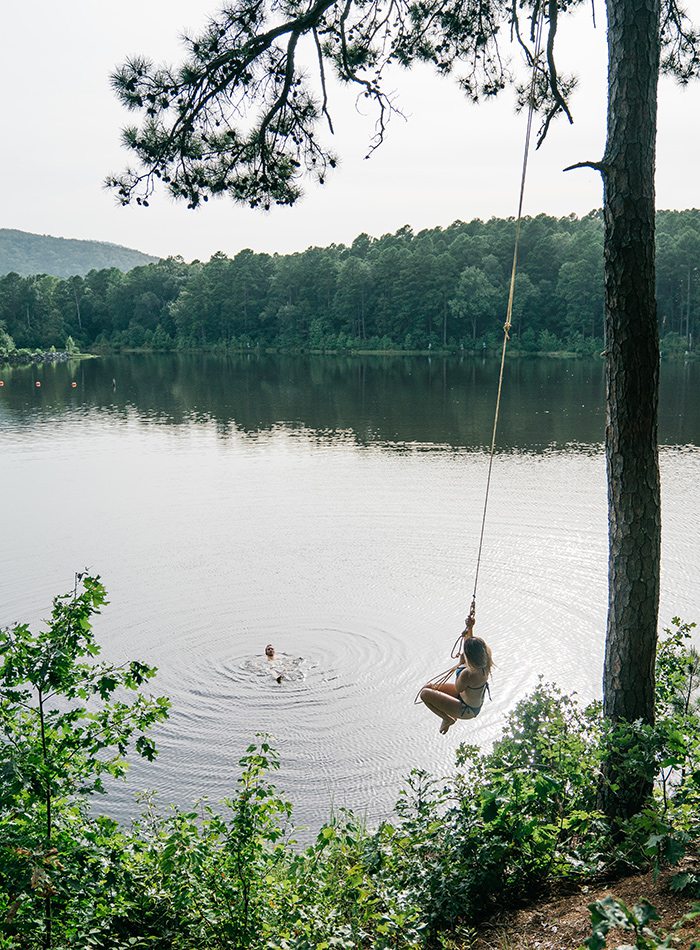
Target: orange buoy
x=2 y=383
x=38 y=384
x=73 y=385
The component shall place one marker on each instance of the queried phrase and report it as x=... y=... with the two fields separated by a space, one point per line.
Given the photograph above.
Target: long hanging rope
x=509 y=308
x=456 y=649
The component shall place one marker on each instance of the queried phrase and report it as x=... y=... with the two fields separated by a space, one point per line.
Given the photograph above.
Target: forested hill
x=439 y=288
x=24 y=253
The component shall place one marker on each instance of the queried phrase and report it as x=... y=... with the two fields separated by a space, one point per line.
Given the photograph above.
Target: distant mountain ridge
x=24 y=253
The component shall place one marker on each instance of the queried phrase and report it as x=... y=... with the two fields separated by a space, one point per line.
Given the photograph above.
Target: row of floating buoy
x=37 y=384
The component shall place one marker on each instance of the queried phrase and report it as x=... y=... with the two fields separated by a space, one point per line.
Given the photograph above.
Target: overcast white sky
x=450 y=160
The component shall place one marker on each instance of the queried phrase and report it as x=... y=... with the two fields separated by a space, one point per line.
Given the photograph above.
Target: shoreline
x=352 y=352
x=488 y=353
x=20 y=358
x=42 y=357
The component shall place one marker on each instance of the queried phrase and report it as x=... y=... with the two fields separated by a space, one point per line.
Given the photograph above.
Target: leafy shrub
x=612 y=914
x=64 y=729
x=674 y=343
x=500 y=829
x=7 y=344
x=548 y=342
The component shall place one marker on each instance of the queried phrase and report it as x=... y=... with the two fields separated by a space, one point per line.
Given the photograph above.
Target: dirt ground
x=563 y=923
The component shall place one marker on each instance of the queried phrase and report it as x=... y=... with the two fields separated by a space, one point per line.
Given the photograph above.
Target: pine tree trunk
x=632 y=371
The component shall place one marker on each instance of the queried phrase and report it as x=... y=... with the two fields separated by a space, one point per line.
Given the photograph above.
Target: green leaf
x=679 y=882
x=644 y=912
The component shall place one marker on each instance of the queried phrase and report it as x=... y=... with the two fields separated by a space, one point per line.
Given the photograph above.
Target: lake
x=330 y=506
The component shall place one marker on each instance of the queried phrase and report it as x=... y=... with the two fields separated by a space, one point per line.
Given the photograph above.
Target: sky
x=450 y=160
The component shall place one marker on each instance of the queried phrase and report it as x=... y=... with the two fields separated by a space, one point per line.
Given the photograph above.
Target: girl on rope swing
x=464 y=698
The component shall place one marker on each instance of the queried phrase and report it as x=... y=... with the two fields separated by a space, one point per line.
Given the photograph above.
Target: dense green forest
x=24 y=253
x=440 y=288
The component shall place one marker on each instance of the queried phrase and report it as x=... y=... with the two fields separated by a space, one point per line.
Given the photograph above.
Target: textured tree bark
x=632 y=372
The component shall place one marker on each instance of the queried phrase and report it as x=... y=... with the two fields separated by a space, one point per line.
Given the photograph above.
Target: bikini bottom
x=474 y=710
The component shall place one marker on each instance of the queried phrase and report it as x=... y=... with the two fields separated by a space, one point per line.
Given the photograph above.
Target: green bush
x=511 y=819
x=7 y=344
x=547 y=342
x=674 y=344
x=500 y=830
x=612 y=914
x=67 y=721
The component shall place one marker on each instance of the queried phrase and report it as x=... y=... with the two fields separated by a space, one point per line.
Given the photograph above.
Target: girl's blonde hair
x=479 y=654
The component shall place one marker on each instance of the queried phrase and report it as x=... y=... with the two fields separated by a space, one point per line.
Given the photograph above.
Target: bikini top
x=485 y=688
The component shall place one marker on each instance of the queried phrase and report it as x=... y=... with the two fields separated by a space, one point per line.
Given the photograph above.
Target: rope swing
x=470 y=619
x=511 y=296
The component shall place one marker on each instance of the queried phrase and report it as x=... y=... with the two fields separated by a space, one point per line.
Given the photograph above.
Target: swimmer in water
x=270 y=654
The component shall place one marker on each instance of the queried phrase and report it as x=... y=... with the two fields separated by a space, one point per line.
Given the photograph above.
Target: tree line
x=438 y=288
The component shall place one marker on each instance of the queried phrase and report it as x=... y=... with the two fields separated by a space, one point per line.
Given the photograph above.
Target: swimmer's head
x=269 y=651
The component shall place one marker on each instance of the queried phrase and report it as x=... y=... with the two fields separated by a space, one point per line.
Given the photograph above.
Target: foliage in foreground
x=67 y=720
x=506 y=825
x=611 y=914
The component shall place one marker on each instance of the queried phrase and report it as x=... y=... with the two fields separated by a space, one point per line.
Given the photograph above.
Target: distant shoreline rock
x=27 y=357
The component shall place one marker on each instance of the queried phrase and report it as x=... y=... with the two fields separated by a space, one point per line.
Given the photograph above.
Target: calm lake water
x=331 y=507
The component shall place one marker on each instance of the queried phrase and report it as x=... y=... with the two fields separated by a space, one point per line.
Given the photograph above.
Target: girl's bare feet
x=445 y=725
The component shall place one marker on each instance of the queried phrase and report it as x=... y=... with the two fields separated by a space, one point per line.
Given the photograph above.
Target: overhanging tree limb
x=208 y=126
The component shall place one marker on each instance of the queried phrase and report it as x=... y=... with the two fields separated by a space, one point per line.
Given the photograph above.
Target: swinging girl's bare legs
x=442 y=699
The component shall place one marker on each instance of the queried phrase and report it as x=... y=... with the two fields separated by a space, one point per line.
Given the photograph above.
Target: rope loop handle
x=438 y=680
